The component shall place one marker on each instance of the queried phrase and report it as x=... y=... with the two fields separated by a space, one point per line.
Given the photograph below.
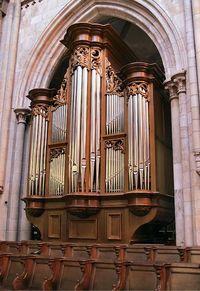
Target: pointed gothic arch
x=148 y=15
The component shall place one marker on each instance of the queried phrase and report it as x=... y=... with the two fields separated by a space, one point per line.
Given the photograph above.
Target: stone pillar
x=180 y=81
x=196 y=23
x=194 y=112
x=7 y=89
x=177 y=166
x=13 y=205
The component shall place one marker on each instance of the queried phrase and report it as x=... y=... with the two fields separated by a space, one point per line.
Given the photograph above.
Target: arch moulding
x=146 y=14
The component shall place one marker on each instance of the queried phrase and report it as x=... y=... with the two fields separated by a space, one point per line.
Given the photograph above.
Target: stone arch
x=147 y=14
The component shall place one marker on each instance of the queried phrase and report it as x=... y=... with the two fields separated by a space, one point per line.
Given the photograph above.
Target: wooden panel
x=114 y=222
x=54 y=226
x=86 y=229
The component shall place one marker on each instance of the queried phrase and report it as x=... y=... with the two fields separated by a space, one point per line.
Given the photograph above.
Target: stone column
x=196 y=24
x=7 y=89
x=177 y=166
x=13 y=205
x=180 y=81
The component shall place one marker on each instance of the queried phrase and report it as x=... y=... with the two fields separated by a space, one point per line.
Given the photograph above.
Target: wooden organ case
x=100 y=153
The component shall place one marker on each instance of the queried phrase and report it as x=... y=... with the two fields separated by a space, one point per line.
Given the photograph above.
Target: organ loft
x=100 y=166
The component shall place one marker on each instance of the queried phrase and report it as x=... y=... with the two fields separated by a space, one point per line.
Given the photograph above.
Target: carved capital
x=141 y=88
x=22 y=115
x=197 y=161
x=172 y=88
x=180 y=81
x=80 y=57
x=40 y=110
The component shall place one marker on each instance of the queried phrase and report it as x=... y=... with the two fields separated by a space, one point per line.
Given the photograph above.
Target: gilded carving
x=117 y=145
x=61 y=97
x=40 y=110
x=55 y=153
x=141 y=88
x=113 y=82
x=80 y=57
x=96 y=59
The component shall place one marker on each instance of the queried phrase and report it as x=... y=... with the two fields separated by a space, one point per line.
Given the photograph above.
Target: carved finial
x=22 y=114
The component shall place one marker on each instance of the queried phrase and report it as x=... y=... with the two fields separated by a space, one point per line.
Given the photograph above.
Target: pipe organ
x=93 y=153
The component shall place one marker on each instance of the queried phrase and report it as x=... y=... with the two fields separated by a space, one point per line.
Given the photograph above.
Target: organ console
x=100 y=153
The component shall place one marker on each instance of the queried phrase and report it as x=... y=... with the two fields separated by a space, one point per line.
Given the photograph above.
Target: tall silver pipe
x=38 y=154
x=78 y=125
x=136 y=141
x=141 y=141
x=73 y=145
x=71 y=135
x=35 y=153
x=31 y=171
x=83 y=126
x=93 y=127
x=107 y=114
x=45 y=156
x=98 y=119
x=41 y=156
x=131 y=141
x=148 y=145
x=145 y=141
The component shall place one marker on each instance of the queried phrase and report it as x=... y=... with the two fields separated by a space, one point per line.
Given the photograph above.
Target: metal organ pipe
x=93 y=128
x=138 y=140
x=98 y=116
x=38 y=152
x=83 y=127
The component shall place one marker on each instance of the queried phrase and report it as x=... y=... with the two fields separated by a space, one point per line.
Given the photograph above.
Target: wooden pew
x=184 y=276
x=67 y=273
x=141 y=276
x=12 y=264
x=36 y=270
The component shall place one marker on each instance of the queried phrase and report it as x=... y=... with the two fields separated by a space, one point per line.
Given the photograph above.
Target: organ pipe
x=80 y=141
x=138 y=136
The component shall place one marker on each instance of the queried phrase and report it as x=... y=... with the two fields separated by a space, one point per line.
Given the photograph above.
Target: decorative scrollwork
x=117 y=145
x=96 y=59
x=80 y=57
x=113 y=82
x=61 y=96
x=40 y=110
x=138 y=88
x=55 y=153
